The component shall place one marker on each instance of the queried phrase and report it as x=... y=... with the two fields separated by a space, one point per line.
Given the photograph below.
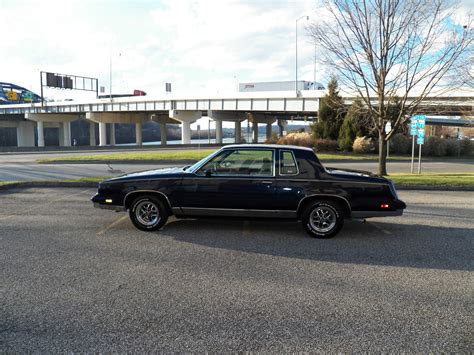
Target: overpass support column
x=236 y=117
x=186 y=118
x=283 y=125
x=254 y=132
x=138 y=134
x=40 y=128
x=58 y=119
x=218 y=131
x=163 y=133
x=238 y=132
x=112 y=134
x=102 y=134
x=102 y=118
x=25 y=134
x=92 y=134
x=186 y=132
x=269 y=130
x=66 y=126
x=61 y=134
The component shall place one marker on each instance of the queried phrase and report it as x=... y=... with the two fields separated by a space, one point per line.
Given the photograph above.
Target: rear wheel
x=323 y=219
x=148 y=213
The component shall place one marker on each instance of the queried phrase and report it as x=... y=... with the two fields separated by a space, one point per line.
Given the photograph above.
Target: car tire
x=148 y=213
x=323 y=219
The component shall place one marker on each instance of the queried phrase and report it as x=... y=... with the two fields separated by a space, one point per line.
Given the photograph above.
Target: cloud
x=464 y=13
x=196 y=45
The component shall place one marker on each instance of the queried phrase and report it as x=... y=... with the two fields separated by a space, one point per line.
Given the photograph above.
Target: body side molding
x=231 y=212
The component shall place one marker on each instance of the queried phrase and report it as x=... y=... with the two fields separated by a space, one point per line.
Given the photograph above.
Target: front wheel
x=148 y=213
x=322 y=219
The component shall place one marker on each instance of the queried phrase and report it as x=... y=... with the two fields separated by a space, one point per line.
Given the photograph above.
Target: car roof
x=263 y=146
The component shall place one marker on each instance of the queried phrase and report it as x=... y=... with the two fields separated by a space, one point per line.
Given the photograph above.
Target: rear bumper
x=396 y=209
x=369 y=214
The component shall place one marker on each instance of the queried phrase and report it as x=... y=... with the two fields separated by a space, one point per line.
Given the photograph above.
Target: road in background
x=79 y=279
x=23 y=167
x=33 y=171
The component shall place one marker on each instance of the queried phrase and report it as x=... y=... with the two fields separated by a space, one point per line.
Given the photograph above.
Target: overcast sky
x=198 y=46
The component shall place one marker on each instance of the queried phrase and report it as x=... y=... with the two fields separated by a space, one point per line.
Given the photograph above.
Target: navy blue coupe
x=253 y=181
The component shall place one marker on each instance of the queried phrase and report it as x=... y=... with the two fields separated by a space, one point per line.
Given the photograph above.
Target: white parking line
x=111 y=225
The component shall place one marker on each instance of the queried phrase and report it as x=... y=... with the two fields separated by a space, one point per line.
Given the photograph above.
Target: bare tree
x=391 y=50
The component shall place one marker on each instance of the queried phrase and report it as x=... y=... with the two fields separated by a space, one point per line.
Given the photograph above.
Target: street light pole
x=296 y=49
x=110 y=75
x=314 y=72
x=236 y=83
x=110 y=78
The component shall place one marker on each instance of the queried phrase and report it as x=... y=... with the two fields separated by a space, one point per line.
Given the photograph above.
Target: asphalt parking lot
x=78 y=279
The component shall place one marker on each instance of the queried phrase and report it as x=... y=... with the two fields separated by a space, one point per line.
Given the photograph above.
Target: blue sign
x=416 y=123
x=418 y=117
x=417 y=128
x=421 y=123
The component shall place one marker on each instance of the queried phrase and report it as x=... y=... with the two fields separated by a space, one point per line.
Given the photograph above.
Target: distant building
x=280 y=86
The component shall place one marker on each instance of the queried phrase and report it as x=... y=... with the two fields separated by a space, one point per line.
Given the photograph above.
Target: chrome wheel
x=323 y=219
x=147 y=213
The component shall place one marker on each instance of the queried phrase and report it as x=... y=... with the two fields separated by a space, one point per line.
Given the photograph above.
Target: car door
x=235 y=179
x=289 y=187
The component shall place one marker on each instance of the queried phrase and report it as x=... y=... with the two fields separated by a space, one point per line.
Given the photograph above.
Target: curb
x=53 y=184
x=433 y=188
x=27 y=184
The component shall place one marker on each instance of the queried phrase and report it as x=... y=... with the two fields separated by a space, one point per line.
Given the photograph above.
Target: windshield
x=196 y=165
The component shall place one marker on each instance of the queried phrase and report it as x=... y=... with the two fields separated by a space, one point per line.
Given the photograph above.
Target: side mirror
x=208 y=172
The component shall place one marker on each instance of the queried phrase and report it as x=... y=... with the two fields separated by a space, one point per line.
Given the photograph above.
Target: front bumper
x=109 y=207
x=100 y=202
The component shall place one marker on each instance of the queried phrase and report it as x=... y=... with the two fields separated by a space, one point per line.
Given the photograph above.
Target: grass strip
x=190 y=156
x=85 y=179
x=4 y=183
x=447 y=180
x=146 y=156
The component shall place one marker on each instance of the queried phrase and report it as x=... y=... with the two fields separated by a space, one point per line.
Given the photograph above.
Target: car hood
x=148 y=174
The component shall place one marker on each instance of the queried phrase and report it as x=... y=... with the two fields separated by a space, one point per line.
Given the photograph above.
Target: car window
x=240 y=162
x=288 y=163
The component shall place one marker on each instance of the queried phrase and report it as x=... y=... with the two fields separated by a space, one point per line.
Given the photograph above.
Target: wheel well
x=340 y=201
x=160 y=196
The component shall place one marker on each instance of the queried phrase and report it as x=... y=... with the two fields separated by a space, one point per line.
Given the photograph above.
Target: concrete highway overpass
x=257 y=107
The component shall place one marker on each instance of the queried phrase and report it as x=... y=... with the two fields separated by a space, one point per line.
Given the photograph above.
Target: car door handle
x=267 y=182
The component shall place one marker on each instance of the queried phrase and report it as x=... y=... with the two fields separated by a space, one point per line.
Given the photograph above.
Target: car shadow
x=371 y=243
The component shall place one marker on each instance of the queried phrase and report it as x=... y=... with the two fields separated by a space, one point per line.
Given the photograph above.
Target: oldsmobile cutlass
x=252 y=181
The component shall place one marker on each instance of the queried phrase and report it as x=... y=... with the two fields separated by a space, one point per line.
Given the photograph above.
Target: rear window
x=288 y=163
